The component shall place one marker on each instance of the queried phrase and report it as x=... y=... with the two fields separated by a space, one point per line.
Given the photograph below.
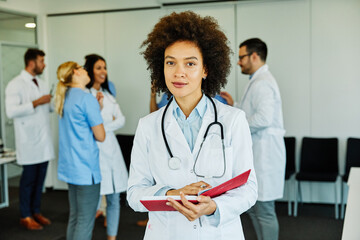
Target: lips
x=179 y=84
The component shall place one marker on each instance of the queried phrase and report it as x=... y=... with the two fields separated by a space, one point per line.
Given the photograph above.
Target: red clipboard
x=158 y=203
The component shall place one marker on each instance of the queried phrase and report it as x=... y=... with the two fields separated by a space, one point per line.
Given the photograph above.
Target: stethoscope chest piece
x=174 y=163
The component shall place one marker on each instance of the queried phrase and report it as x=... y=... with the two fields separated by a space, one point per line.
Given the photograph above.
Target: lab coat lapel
x=174 y=135
x=208 y=118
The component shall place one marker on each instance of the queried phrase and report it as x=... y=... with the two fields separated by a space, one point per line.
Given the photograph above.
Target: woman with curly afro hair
x=195 y=142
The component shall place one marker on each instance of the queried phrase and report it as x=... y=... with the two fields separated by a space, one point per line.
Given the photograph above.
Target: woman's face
x=184 y=70
x=82 y=73
x=100 y=71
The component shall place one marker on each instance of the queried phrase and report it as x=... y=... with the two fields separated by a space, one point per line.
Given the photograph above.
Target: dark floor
x=315 y=221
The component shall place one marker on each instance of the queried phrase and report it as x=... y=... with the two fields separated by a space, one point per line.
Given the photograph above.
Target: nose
x=179 y=71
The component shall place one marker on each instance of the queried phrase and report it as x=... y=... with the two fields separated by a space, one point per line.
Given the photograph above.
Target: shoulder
x=153 y=117
x=15 y=82
x=229 y=114
x=227 y=110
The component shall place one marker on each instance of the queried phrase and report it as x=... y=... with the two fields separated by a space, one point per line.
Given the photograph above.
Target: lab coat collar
x=262 y=69
x=174 y=133
x=27 y=76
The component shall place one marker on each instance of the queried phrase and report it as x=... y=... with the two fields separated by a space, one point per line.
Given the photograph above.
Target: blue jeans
x=31 y=186
x=83 y=200
x=112 y=213
x=263 y=217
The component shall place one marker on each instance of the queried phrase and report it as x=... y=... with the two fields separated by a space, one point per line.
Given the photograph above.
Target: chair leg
x=297 y=184
x=288 y=195
x=342 y=210
x=336 y=203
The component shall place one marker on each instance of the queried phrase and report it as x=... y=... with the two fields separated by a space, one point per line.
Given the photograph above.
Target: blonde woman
x=80 y=126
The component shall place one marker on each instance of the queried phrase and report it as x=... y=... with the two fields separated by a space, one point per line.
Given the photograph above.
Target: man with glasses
x=27 y=102
x=262 y=104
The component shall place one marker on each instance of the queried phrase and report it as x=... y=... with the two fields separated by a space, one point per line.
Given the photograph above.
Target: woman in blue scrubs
x=80 y=126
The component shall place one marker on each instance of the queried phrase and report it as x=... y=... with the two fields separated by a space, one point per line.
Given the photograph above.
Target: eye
x=170 y=63
x=191 y=64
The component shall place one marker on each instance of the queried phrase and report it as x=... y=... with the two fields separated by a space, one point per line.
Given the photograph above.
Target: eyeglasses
x=242 y=56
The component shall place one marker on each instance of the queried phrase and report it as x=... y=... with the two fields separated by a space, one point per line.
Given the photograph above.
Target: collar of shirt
x=260 y=69
x=27 y=76
x=190 y=126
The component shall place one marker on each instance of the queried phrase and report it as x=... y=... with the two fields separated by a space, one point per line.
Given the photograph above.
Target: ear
x=205 y=72
x=76 y=72
x=31 y=64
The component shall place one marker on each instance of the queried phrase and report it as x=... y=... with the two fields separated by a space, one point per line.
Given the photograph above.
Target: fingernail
x=168 y=203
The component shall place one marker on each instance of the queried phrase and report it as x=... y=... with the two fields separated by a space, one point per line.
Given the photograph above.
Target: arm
x=42 y=100
x=153 y=105
x=141 y=182
x=13 y=105
x=118 y=120
x=237 y=201
x=92 y=112
x=99 y=132
x=264 y=104
x=227 y=96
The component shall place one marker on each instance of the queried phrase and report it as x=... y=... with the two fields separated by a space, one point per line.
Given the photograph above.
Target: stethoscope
x=174 y=163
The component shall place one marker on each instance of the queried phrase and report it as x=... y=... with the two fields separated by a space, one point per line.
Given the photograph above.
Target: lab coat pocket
x=212 y=158
x=29 y=131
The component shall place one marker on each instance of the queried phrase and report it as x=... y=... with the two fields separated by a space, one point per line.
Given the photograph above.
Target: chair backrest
x=319 y=155
x=352 y=154
x=126 y=143
x=290 y=143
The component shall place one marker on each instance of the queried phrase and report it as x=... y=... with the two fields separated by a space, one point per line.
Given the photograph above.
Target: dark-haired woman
x=188 y=57
x=113 y=170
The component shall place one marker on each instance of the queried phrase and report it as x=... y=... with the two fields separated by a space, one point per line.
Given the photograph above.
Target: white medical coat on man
x=33 y=140
x=262 y=105
x=150 y=172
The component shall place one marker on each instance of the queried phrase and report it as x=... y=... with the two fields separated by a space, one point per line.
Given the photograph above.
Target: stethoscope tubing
x=205 y=134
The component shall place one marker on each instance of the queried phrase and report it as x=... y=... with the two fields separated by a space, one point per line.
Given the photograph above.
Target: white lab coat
x=149 y=172
x=113 y=169
x=33 y=138
x=262 y=105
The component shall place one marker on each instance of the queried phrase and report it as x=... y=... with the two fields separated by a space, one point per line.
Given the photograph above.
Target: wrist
x=35 y=103
x=212 y=208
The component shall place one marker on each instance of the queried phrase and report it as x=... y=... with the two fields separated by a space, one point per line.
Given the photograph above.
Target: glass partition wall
x=17 y=33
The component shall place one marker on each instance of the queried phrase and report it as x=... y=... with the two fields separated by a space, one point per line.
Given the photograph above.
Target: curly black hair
x=205 y=33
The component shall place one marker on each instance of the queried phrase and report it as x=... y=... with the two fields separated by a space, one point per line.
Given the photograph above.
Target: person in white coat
x=188 y=57
x=27 y=102
x=113 y=169
x=262 y=105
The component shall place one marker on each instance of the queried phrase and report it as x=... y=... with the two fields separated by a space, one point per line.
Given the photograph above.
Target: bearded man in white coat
x=27 y=102
x=262 y=104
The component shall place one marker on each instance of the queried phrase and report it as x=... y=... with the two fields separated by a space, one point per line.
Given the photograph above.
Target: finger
x=203 y=199
x=204 y=185
x=178 y=207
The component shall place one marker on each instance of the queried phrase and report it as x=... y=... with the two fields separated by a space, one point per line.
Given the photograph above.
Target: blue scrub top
x=78 y=151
